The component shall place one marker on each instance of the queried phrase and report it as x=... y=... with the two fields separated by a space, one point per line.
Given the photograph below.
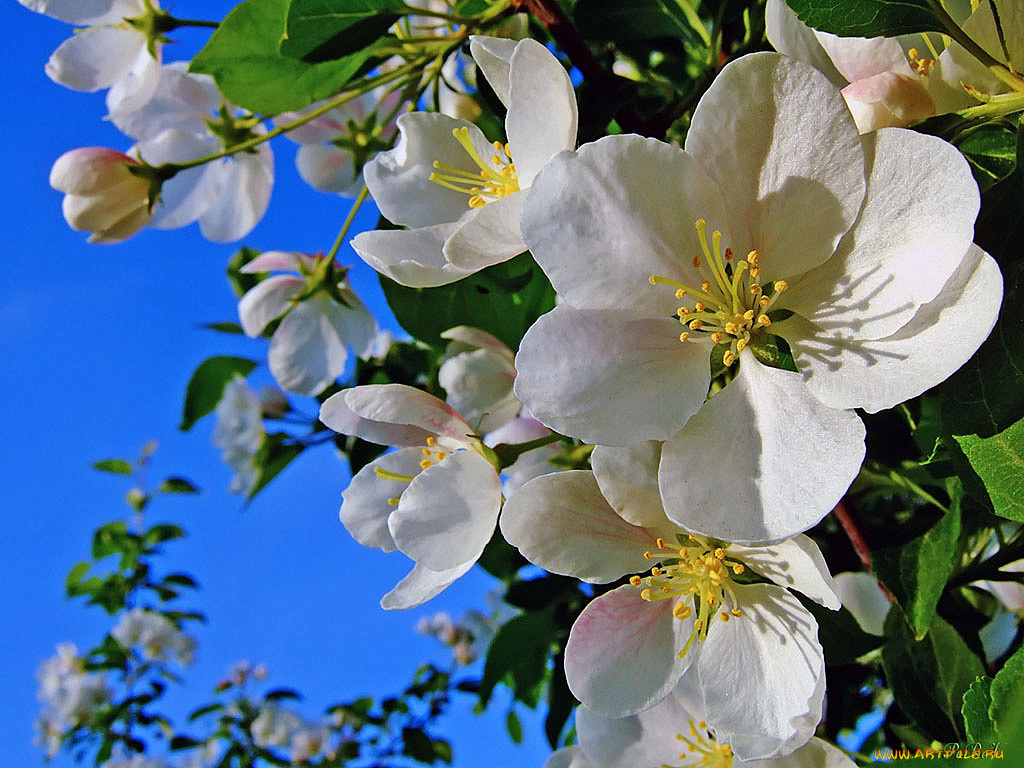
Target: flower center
x=495 y=180
x=432 y=454
x=730 y=305
x=703 y=749
x=698 y=576
x=922 y=65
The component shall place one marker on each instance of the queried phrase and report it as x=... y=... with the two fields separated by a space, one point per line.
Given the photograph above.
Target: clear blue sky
x=97 y=344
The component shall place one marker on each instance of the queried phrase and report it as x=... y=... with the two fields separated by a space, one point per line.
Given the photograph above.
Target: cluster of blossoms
x=155 y=637
x=276 y=726
x=71 y=696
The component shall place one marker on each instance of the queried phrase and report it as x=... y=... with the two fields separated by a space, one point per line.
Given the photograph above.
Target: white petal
x=645 y=739
x=269 y=261
x=628 y=478
x=858 y=58
x=244 y=195
x=488 y=235
x=847 y=372
x=411 y=257
x=562 y=523
x=568 y=757
x=393 y=414
x=85 y=11
x=447 y=514
x=479 y=386
x=353 y=322
x=816 y=753
x=186 y=196
x=464 y=338
x=903 y=247
x=888 y=99
x=760 y=672
x=629 y=205
x=267 y=301
x=610 y=377
x=138 y=85
x=792 y=37
x=778 y=138
x=183 y=101
x=95 y=58
x=492 y=55
x=623 y=653
x=329 y=169
x=399 y=180
x=420 y=585
x=541 y=118
x=747 y=468
x=795 y=563
x=863 y=597
x=365 y=508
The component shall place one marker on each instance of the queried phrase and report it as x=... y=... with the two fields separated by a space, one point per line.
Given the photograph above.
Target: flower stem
x=360 y=199
x=175 y=23
x=860 y=545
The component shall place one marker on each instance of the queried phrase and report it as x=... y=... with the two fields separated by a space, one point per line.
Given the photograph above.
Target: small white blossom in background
x=111 y=52
x=70 y=695
x=155 y=636
x=468 y=637
x=275 y=726
x=239 y=433
x=861 y=594
x=137 y=761
x=477 y=374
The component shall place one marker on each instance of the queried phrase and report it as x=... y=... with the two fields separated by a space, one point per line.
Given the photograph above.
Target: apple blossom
x=637 y=238
x=435 y=499
x=477 y=373
x=155 y=636
x=70 y=695
x=752 y=646
x=239 y=433
x=101 y=194
x=119 y=49
x=460 y=196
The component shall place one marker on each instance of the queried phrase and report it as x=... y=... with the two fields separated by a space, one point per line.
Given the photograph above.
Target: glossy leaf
x=322 y=30
x=867 y=18
x=999 y=462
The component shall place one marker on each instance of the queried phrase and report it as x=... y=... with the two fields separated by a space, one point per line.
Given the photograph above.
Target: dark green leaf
x=207 y=384
x=560 y=703
x=535 y=594
x=977 y=699
x=504 y=300
x=159 y=533
x=514 y=727
x=992 y=152
x=177 y=485
x=116 y=466
x=181 y=579
x=1008 y=696
x=233 y=328
x=322 y=30
x=929 y=677
x=840 y=635
x=632 y=20
x=184 y=742
x=916 y=572
x=520 y=648
x=276 y=453
x=417 y=745
x=442 y=750
x=243 y=57
x=501 y=559
x=867 y=18
x=282 y=693
x=999 y=462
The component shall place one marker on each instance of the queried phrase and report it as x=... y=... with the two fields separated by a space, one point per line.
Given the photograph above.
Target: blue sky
x=98 y=344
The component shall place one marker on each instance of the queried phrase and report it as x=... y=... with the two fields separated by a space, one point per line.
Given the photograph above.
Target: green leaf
x=504 y=300
x=322 y=30
x=514 y=727
x=520 y=648
x=242 y=56
x=1008 y=696
x=442 y=750
x=184 y=742
x=116 y=466
x=417 y=745
x=282 y=693
x=977 y=699
x=916 y=572
x=991 y=150
x=628 y=20
x=929 y=677
x=999 y=462
x=232 y=328
x=177 y=485
x=867 y=18
x=207 y=384
x=274 y=454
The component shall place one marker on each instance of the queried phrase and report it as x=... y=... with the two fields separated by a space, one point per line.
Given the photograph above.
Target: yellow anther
x=913 y=53
x=764 y=320
x=717 y=337
x=705 y=286
x=646 y=595
x=728 y=254
x=684 y=553
x=781 y=285
x=738 y=568
x=684 y=336
x=426 y=463
x=440 y=455
x=700 y=306
x=741 y=345
x=635 y=581
x=680 y=292
x=683 y=311
x=753 y=258
x=696 y=325
x=748 y=315
x=425 y=451
x=755 y=272
x=736 y=612
x=393 y=501
x=728 y=358
x=660 y=542
x=655 y=571
x=720 y=553
x=691 y=537
x=431 y=442
x=647 y=555
x=723 y=616
x=731 y=328
x=682 y=611
x=763 y=302
x=755 y=289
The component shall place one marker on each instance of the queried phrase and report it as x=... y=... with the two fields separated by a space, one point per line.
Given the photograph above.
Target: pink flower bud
x=102 y=195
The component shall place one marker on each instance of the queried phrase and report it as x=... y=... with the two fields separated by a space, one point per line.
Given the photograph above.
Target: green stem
x=695 y=21
x=507 y=453
x=175 y=23
x=438 y=15
x=360 y=199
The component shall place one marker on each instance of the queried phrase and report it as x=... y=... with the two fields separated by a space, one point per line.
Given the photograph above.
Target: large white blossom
x=752 y=646
x=155 y=636
x=459 y=195
x=110 y=52
x=309 y=347
x=776 y=221
x=477 y=374
x=436 y=499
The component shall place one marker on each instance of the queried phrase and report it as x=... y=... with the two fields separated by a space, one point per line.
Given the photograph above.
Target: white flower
x=101 y=194
x=70 y=696
x=239 y=433
x=863 y=597
x=753 y=647
x=137 y=761
x=887 y=293
x=674 y=733
x=274 y=726
x=111 y=52
x=188 y=119
x=309 y=348
x=436 y=499
x=460 y=196
x=477 y=374
x=155 y=635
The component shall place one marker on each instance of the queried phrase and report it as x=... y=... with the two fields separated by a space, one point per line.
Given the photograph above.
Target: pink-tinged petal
x=610 y=377
x=100 y=212
x=365 y=506
x=488 y=236
x=629 y=205
x=795 y=563
x=399 y=180
x=266 y=302
x=245 y=183
x=420 y=585
x=90 y=170
x=95 y=58
x=860 y=58
x=843 y=371
x=623 y=653
x=562 y=523
x=270 y=261
x=410 y=257
x=903 y=248
x=792 y=37
x=760 y=673
x=645 y=739
x=780 y=141
x=447 y=514
x=329 y=169
x=628 y=478
x=493 y=55
x=336 y=414
x=541 y=118
x=740 y=469
x=888 y=99
x=862 y=596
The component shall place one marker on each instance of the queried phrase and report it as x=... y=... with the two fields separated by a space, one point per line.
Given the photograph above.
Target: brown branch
x=848 y=521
